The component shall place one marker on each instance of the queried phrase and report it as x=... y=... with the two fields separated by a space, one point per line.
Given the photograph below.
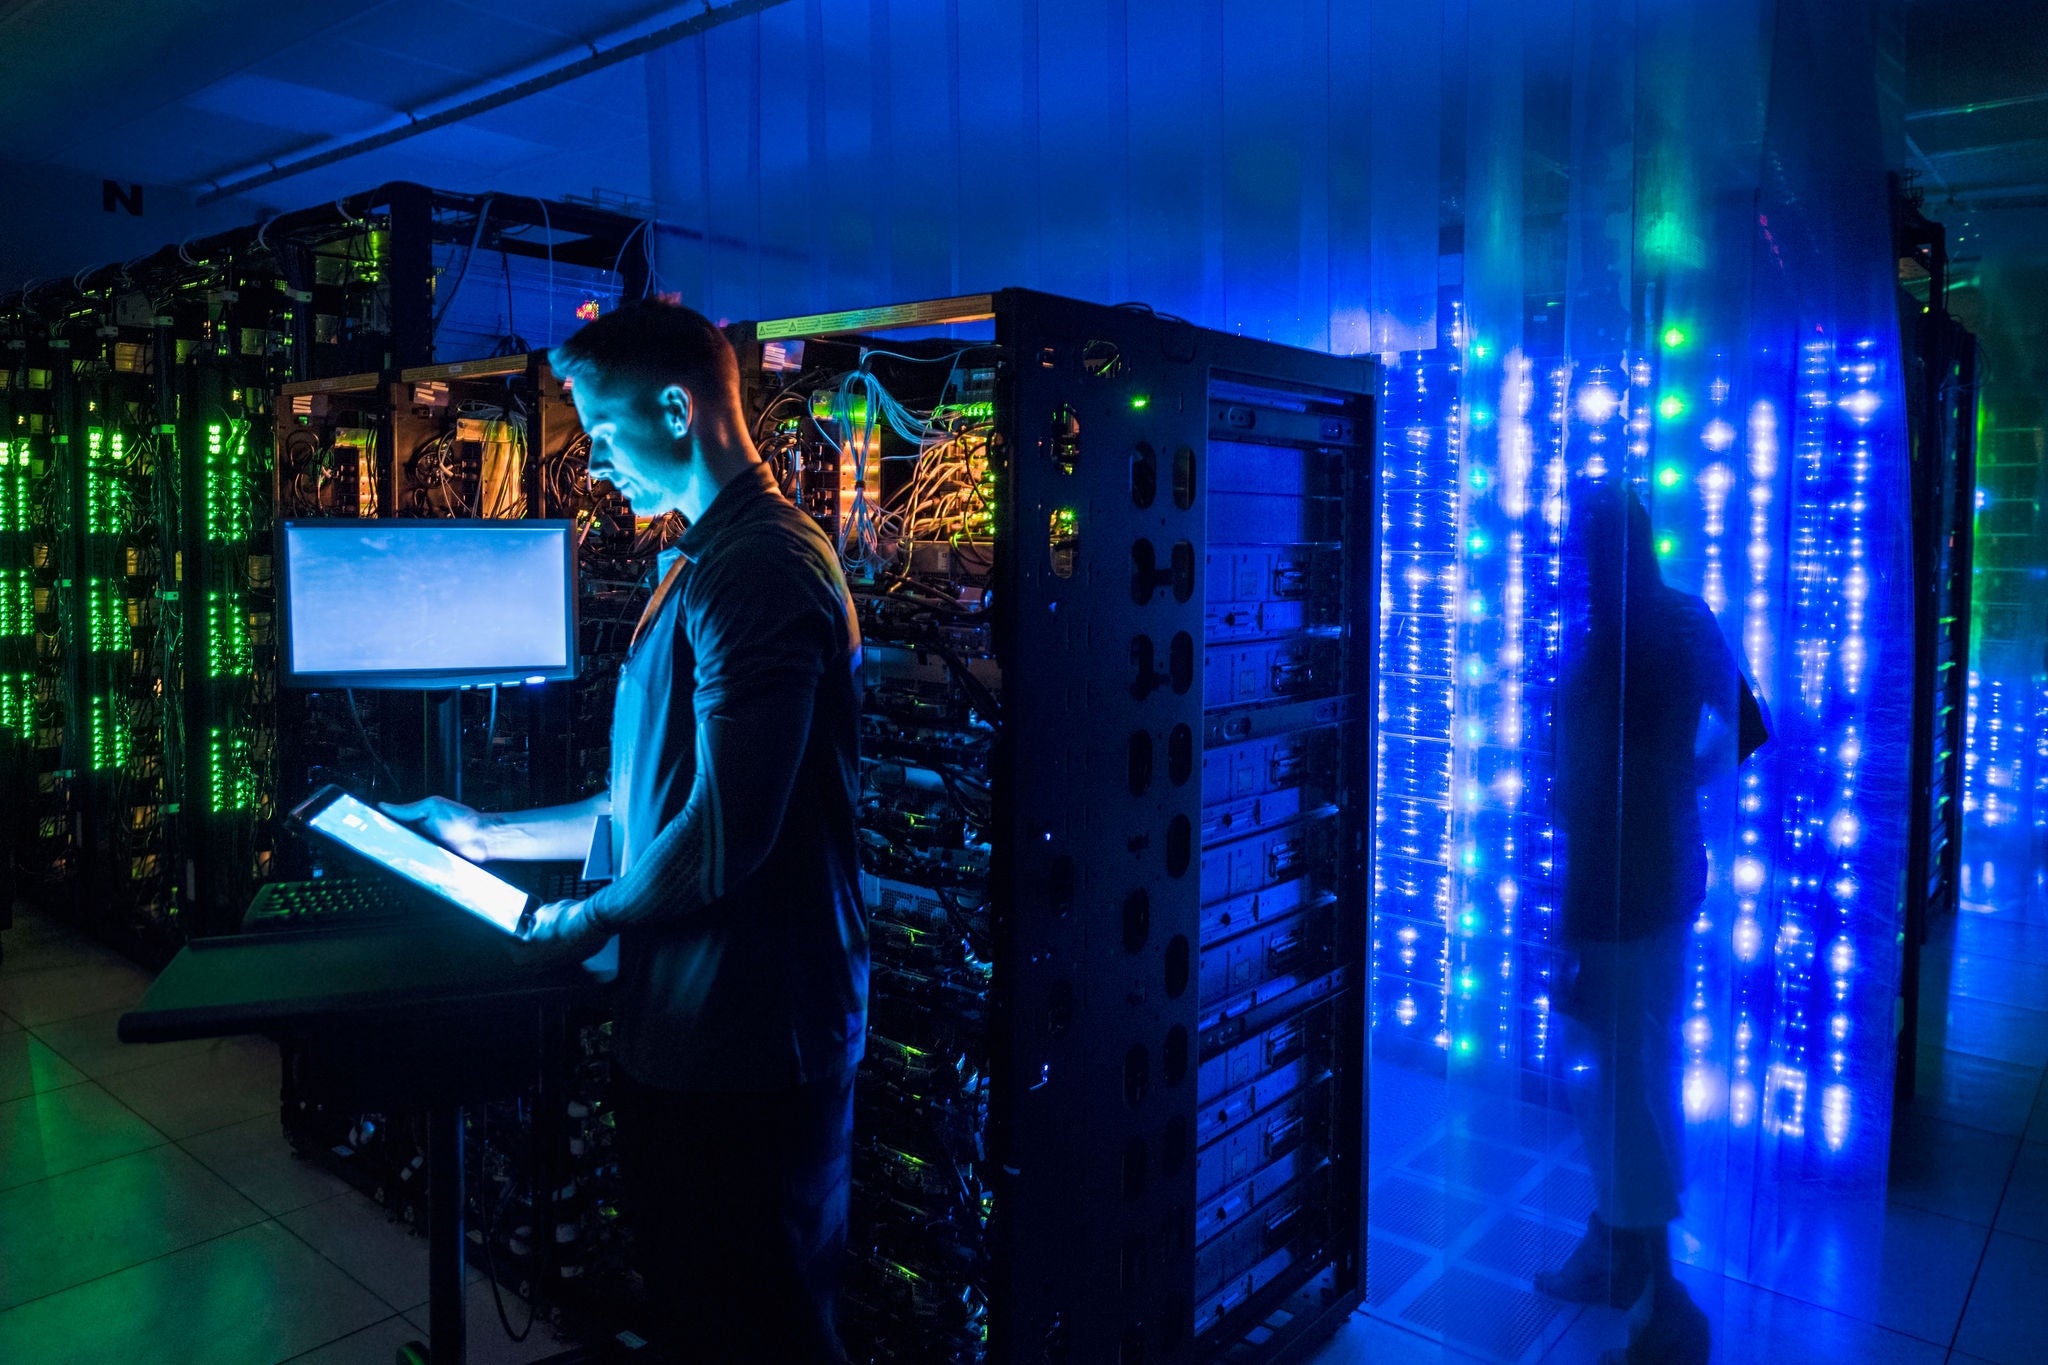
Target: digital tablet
x=371 y=835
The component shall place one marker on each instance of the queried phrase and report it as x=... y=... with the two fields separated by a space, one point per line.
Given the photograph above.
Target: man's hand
x=448 y=823
x=563 y=931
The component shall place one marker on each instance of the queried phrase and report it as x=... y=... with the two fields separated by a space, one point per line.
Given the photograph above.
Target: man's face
x=634 y=429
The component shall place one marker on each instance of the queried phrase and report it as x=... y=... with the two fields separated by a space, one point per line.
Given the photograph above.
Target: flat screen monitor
x=426 y=603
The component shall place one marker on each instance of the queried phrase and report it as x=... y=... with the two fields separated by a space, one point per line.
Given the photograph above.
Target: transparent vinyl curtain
x=1642 y=456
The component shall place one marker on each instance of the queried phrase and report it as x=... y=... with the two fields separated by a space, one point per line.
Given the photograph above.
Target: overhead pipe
x=248 y=178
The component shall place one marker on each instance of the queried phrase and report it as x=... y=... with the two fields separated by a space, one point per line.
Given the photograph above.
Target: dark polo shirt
x=743 y=953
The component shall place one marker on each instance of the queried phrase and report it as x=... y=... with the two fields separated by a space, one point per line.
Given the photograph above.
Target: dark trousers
x=739 y=1212
x=1620 y=1033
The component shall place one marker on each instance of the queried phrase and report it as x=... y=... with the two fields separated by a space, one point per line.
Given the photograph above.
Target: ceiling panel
x=78 y=70
x=467 y=44
x=288 y=105
x=181 y=145
x=209 y=88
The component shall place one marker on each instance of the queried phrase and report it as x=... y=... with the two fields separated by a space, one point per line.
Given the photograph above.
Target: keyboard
x=327 y=900
x=567 y=886
x=359 y=900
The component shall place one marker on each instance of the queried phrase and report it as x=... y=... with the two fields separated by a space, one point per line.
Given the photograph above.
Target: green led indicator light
x=1668 y=476
x=1477 y=478
x=227 y=513
x=17 y=602
x=1465 y=1047
x=109 y=737
x=1665 y=545
x=14 y=495
x=14 y=706
x=1141 y=401
x=1477 y=543
x=1672 y=406
x=107 y=616
x=232 y=781
x=102 y=495
x=1674 y=337
x=227 y=646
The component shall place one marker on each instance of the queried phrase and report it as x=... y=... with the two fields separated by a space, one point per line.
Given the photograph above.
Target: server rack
x=1127 y=1120
x=40 y=613
x=136 y=509
x=1941 y=397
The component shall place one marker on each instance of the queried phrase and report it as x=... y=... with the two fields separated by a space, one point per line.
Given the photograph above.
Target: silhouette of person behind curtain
x=1648 y=668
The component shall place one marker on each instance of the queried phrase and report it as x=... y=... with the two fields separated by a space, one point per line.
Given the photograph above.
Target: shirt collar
x=741 y=492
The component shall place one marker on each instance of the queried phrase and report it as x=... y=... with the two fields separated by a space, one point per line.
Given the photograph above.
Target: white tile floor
x=151 y=1211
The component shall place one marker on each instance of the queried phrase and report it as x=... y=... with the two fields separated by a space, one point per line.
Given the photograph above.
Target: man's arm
x=749 y=748
x=542 y=834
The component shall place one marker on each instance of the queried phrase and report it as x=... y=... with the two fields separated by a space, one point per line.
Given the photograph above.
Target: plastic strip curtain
x=1248 y=164
x=1674 y=278
x=1634 y=245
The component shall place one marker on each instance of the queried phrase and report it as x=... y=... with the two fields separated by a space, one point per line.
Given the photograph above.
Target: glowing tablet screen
x=375 y=835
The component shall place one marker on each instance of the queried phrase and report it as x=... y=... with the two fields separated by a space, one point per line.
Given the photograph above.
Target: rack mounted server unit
x=1116 y=578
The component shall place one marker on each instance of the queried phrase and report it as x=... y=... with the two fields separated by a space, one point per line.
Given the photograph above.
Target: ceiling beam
x=261 y=173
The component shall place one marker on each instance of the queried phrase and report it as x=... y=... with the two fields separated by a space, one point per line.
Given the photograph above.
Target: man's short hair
x=653 y=341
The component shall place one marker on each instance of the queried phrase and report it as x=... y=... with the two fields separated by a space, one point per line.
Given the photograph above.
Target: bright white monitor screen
x=421 y=861
x=427 y=603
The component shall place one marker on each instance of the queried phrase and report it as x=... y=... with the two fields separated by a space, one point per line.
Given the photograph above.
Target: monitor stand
x=443 y=752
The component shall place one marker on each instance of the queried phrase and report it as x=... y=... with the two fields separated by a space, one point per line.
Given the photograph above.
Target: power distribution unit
x=1116 y=578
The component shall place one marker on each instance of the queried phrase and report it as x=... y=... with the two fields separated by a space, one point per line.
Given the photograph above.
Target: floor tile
x=1948 y=1169
x=1995 y=936
x=255 y=1295
x=90 y=1043
x=1984 y=1028
x=84 y=1224
x=1756 y=1327
x=2037 y=1126
x=63 y=1130
x=27 y=1067
x=358 y=1235
x=35 y=944
x=2025 y=1210
x=376 y=1344
x=2007 y=1319
x=254 y=1157
x=1366 y=1340
x=232 y=1080
x=66 y=992
x=488 y=1344
x=1908 y=1271
x=1929 y=1262
x=1982 y=977
x=1976 y=1092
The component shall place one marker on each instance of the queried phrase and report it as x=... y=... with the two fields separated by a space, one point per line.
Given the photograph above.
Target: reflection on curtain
x=1634 y=245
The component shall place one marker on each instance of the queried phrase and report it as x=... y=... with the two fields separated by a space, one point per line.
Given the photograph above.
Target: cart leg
x=445 y=1327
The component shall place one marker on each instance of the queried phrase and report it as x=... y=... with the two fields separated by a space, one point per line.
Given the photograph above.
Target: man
x=1651 y=710
x=743 y=962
